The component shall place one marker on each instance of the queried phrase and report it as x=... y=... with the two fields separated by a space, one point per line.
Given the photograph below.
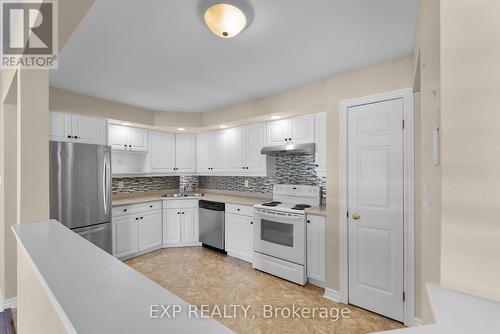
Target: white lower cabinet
x=238 y=232
x=125 y=236
x=150 y=230
x=180 y=223
x=316 y=249
x=136 y=229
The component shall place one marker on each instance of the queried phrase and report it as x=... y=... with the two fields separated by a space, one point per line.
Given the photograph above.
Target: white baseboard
x=9 y=303
x=316 y=282
x=417 y=322
x=333 y=295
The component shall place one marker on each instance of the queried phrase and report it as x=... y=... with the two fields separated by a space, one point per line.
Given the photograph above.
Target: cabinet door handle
x=130 y=146
x=251 y=223
x=182 y=212
x=308 y=221
x=136 y=218
x=76 y=137
x=124 y=210
x=69 y=137
x=237 y=209
x=290 y=139
x=178 y=212
x=125 y=145
x=286 y=139
x=150 y=206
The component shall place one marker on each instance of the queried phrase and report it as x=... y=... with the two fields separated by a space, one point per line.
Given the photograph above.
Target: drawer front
x=136 y=208
x=180 y=203
x=238 y=209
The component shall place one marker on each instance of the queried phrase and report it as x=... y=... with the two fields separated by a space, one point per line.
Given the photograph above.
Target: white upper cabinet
x=77 y=129
x=297 y=130
x=162 y=152
x=211 y=153
x=277 y=132
x=301 y=129
x=138 y=139
x=126 y=138
x=60 y=127
x=203 y=153
x=320 y=141
x=235 y=143
x=244 y=146
x=185 y=153
x=254 y=141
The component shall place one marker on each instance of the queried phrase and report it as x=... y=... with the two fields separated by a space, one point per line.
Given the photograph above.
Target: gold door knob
x=356 y=216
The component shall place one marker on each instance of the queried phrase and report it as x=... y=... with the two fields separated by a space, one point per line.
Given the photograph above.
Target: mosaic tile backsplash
x=289 y=170
x=142 y=184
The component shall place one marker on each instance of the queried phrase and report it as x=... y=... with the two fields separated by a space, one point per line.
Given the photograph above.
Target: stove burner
x=301 y=206
x=272 y=203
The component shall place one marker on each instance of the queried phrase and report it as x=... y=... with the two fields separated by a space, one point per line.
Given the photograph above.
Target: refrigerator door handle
x=105 y=183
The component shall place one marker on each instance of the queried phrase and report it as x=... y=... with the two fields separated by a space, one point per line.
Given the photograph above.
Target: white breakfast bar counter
x=93 y=292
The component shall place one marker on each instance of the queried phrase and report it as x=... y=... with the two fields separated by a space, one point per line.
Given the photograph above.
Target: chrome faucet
x=185 y=187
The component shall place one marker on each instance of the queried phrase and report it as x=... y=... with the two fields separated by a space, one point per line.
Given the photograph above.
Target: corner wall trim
x=333 y=295
x=9 y=303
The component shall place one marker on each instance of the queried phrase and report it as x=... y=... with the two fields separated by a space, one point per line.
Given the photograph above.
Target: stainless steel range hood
x=292 y=149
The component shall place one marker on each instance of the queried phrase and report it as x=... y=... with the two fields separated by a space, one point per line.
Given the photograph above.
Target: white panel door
x=118 y=137
x=277 y=132
x=125 y=236
x=60 y=127
x=138 y=139
x=150 y=230
x=218 y=152
x=254 y=140
x=162 y=152
x=185 y=153
x=171 y=227
x=301 y=129
x=316 y=248
x=236 y=150
x=238 y=235
x=320 y=135
x=88 y=130
x=203 y=152
x=189 y=226
x=375 y=204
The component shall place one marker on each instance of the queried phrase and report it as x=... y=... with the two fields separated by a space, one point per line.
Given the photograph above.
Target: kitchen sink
x=176 y=195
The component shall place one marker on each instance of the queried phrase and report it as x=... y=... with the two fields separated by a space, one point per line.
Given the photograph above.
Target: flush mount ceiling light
x=223 y=126
x=225 y=20
x=181 y=129
x=275 y=117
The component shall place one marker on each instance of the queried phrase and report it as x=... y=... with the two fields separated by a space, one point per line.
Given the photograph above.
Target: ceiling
x=159 y=55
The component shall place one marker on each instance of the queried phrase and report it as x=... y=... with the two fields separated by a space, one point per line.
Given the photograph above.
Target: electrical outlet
x=246 y=184
x=121 y=184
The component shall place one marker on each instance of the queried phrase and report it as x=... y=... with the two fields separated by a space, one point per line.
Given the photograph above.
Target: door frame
x=408 y=196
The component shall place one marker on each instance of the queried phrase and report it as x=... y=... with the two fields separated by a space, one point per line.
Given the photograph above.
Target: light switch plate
x=246 y=184
x=121 y=184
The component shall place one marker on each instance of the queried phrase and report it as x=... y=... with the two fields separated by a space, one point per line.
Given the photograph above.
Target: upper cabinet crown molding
x=77 y=128
x=296 y=130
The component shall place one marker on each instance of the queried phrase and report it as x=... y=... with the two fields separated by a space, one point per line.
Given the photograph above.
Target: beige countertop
x=229 y=197
x=225 y=197
x=319 y=211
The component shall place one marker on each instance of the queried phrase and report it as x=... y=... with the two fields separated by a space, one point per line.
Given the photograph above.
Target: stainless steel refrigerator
x=80 y=190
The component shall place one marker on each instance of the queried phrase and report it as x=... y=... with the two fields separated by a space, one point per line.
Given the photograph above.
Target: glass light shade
x=225 y=20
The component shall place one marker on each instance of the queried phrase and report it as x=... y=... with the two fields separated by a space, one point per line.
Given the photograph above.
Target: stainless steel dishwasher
x=211 y=220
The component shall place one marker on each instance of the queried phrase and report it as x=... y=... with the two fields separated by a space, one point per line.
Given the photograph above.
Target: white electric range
x=279 y=232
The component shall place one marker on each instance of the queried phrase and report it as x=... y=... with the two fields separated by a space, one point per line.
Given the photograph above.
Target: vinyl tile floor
x=202 y=276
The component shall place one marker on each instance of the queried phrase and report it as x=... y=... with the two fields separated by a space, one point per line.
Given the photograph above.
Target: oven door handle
x=279 y=218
